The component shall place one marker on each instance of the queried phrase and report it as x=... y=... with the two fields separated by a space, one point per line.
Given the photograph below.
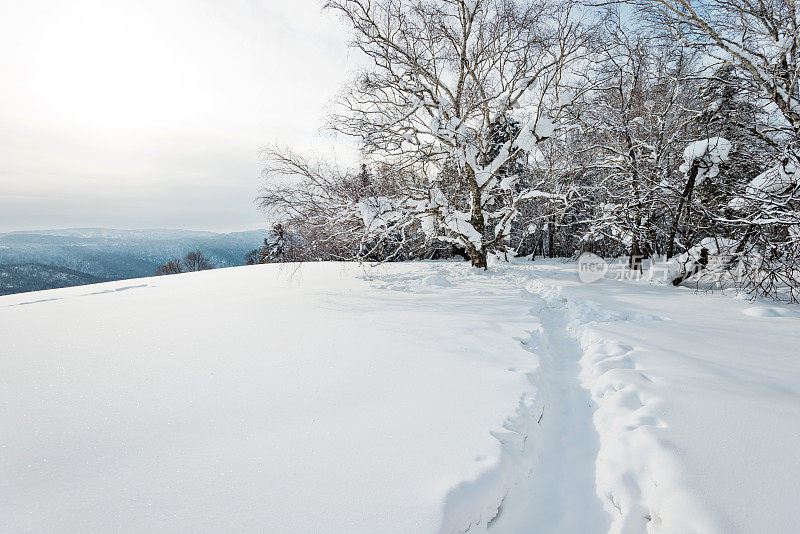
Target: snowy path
x=697 y=401
x=560 y=496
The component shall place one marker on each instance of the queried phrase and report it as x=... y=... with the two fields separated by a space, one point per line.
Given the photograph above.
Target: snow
x=413 y=397
x=709 y=153
x=774 y=180
x=719 y=245
x=459 y=223
x=435 y=280
x=697 y=405
x=769 y=311
x=737 y=204
x=539 y=129
x=376 y=212
x=254 y=397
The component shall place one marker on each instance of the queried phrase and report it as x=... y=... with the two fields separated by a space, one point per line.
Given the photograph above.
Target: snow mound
x=435 y=280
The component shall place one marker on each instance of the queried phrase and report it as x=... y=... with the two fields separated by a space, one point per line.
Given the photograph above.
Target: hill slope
x=420 y=397
x=35 y=277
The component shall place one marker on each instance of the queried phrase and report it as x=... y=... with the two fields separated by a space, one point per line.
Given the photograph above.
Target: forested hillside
x=35 y=276
x=88 y=255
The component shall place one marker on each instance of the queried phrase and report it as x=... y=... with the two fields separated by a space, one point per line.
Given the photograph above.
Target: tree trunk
x=693 y=268
x=686 y=193
x=477 y=255
x=480 y=260
x=635 y=261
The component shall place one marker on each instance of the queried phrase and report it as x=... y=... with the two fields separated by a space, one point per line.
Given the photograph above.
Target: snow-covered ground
x=417 y=397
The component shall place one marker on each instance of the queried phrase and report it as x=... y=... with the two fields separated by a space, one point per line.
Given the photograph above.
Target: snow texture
x=415 y=397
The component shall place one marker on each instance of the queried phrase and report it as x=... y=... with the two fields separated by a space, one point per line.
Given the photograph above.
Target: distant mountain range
x=47 y=259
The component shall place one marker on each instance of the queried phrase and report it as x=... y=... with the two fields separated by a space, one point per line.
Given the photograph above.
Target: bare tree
x=318 y=204
x=760 y=37
x=636 y=126
x=445 y=74
x=197 y=261
x=170 y=267
x=254 y=257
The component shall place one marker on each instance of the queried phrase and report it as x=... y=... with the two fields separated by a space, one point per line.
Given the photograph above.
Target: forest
x=654 y=130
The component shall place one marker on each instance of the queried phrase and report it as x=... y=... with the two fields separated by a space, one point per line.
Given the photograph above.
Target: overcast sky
x=151 y=113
